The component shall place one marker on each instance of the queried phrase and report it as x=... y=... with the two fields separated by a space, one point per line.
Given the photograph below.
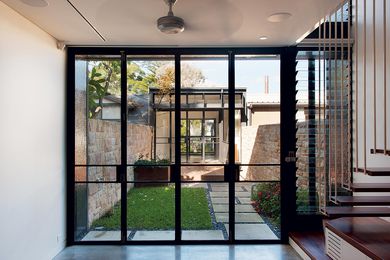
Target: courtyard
x=205 y=215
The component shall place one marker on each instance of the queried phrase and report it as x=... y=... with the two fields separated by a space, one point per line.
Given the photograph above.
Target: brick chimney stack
x=266 y=84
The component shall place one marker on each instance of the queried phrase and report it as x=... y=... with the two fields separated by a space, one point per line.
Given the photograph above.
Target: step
x=375 y=171
x=369 y=235
x=312 y=243
x=363 y=200
x=212 y=177
x=370 y=187
x=345 y=211
x=379 y=151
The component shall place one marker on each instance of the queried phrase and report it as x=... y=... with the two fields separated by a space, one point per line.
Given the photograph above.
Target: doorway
x=220 y=181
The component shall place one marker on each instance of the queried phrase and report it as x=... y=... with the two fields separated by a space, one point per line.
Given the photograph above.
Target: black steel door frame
x=287 y=137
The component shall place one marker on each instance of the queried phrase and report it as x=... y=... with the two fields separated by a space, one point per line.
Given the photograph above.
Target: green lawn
x=153 y=208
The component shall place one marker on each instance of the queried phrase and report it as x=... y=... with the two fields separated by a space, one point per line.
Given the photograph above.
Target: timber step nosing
x=362 y=200
x=374 y=171
x=346 y=211
x=370 y=187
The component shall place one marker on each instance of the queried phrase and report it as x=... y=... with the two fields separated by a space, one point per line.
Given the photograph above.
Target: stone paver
x=219 y=200
x=244 y=208
x=242 y=194
x=154 y=235
x=222 y=217
x=219 y=194
x=253 y=231
x=219 y=188
x=103 y=235
x=240 y=217
x=245 y=200
x=238 y=208
x=221 y=207
x=248 y=217
x=202 y=235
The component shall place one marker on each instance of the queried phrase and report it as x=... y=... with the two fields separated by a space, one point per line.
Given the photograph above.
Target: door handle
x=291 y=157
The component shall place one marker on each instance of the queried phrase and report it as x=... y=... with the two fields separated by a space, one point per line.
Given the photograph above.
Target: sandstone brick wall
x=104 y=148
x=99 y=142
x=261 y=144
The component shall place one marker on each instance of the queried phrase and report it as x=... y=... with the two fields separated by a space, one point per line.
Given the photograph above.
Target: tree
x=104 y=79
x=105 y=76
x=190 y=76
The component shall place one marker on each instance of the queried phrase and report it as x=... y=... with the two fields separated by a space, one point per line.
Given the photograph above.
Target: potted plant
x=147 y=171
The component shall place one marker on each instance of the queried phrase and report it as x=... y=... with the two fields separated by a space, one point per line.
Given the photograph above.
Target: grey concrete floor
x=196 y=252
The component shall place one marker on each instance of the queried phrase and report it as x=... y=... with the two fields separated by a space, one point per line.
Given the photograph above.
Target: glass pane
x=213 y=101
x=257 y=212
x=259 y=173
x=164 y=145
x=148 y=172
x=150 y=107
x=202 y=173
x=209 y=127
x=88 y=173
x=97 y=110
x=258 y=126
x=204 y=125
x=151 y=212
x=97 y=212
x=195 y=127
x=205 y=211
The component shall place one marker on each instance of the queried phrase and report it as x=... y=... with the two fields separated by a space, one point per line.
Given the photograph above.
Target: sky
x=249 y=73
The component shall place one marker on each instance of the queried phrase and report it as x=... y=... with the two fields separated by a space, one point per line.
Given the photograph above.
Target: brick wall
x=261 y=144
x=104 y=148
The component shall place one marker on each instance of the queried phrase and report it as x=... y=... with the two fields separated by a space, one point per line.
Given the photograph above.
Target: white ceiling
x=208 y=22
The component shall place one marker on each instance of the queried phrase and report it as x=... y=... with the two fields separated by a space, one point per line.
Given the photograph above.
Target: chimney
x=266 y=84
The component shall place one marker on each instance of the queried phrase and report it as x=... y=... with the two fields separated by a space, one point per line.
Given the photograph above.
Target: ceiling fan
x=170 y=24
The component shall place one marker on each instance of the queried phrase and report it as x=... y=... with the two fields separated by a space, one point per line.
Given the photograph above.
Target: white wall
x=373 y=160
x=32 y=140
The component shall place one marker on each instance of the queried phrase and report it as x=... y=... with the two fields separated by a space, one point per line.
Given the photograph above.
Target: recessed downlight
x=278 y=17
x=263 y=37
x=35 y=3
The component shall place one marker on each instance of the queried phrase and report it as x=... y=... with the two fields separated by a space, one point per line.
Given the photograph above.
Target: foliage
x=266 y=197
x=104 y=79
x=154 y=208
x=151 y=162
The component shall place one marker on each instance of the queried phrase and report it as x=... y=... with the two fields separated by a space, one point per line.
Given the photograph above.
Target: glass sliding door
x=97 y=195
x=204 y=192
x=157 y=159
x=150 y=147
x=257 y=143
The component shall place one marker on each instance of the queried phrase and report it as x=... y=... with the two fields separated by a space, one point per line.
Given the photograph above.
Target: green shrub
x=266 y=197
x=151 y=162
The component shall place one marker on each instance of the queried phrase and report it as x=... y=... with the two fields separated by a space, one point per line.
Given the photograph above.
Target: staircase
x=366 y=205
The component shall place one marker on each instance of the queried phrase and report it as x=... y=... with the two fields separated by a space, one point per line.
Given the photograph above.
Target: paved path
x=248 y=223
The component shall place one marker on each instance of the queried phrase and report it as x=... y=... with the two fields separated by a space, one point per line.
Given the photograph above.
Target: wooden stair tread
x=378 y=171
x=375 y=171
x=370 y=235
x=347 y=211
x=379 y=151
x=312 y=243
x=363 y=200
x=370 y=187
